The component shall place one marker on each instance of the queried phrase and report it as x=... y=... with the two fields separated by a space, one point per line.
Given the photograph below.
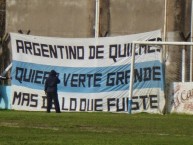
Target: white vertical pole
x=97 y=11
x=163 y=54
x=183 y=64
x=191 y=39
x=165 y=20
x=131 y=79
x=164 y=33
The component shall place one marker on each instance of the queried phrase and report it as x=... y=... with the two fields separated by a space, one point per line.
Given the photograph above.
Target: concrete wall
x=61 y=18
x=76 y=18
x=135 y=16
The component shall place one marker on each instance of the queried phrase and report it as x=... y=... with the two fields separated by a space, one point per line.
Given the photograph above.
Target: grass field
x=41 y=128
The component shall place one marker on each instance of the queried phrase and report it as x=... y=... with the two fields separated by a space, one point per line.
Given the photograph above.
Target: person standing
x=51 y=91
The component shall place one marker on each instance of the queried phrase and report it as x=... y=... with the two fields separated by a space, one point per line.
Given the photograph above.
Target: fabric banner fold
x=94 y=73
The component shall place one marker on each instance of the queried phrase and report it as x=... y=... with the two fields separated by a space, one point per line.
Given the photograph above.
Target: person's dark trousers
x=53 y=96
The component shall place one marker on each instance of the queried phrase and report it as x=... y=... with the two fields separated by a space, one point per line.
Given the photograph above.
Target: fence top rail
x=162 y=43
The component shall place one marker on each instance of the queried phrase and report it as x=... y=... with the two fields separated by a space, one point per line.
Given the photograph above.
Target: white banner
x=180 y=99
x=94 y=73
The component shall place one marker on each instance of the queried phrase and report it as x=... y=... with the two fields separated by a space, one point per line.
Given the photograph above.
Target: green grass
x=78 y=128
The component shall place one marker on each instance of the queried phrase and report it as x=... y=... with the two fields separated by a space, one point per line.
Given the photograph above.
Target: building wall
x=136 y=16
x=76 y=18
x=61 y=18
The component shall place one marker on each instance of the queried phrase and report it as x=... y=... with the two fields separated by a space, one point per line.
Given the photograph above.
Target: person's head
x=53 y=73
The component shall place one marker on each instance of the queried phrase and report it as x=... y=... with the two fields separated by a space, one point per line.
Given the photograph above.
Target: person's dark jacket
x=51 y=82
